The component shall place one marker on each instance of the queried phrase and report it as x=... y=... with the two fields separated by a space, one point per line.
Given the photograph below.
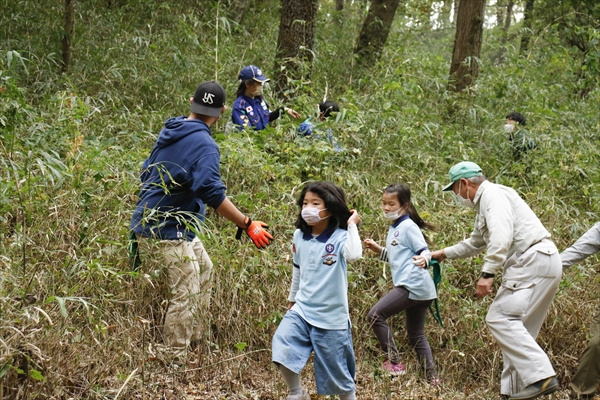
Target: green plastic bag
x=134 y=252
x=434 y=307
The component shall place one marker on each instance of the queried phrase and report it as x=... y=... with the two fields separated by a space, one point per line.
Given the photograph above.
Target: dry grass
x=108 y=343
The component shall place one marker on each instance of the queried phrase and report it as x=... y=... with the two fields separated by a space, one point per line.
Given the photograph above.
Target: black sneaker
x=535 y=390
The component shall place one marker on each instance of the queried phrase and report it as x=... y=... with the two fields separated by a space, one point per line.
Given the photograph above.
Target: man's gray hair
x=477 y=180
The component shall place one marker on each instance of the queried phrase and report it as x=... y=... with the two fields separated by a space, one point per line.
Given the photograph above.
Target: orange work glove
x=257 y=232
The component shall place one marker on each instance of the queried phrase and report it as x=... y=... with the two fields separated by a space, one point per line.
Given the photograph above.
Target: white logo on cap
x=258 y=71
x=208 y=98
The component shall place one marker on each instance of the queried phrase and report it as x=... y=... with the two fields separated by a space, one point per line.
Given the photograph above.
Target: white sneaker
x=303 y=396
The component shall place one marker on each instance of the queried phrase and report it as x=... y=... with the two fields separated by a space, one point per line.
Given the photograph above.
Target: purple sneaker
x=394 y=369
x=434 y=381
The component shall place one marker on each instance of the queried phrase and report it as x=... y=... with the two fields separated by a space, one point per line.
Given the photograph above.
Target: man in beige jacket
x=516 y=243
x=587 y=378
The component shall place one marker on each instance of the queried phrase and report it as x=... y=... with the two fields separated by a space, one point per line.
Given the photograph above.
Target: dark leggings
x=394 y=302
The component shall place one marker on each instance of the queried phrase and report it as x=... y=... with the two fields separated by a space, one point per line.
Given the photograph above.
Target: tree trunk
x=499 y=12
x=499 y=58
x=295 y=42
x=467 y=44
x=68 y=34
x=375 y=31
x=237 y=10
x=527 y=18
x=509 y=14
x=455 y=14
x=339 y=5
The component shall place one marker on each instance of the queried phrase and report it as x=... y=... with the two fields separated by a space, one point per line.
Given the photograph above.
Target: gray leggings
x=394 y=302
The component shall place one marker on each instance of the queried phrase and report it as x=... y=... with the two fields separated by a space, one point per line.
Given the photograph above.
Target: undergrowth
x=77 y=322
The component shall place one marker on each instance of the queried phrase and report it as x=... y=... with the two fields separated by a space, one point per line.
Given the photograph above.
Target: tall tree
x=467 y=44
x=375 y=30
x=339 y=5
x=499 y=12
x=507 y=21
x=237 y=9
x=527 y=19
x=295 y=42
x=455 y=13
x=67 y=34
x=509 y=14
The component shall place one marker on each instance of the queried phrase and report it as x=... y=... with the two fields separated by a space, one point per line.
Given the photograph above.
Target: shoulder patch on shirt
x=249 y=108
x=293 y=247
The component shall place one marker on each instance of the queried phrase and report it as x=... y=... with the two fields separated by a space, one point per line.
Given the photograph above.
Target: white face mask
x=462 y=201
x=311 y=215
x=394 y=215
x=508 y=128
x=258 y=91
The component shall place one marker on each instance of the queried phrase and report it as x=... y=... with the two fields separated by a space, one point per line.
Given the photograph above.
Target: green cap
x=464 y=169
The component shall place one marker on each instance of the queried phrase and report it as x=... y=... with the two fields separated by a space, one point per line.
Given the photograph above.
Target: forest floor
x=251 y=376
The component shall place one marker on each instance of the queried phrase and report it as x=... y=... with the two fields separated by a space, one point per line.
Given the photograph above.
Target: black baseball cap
x=209 y=99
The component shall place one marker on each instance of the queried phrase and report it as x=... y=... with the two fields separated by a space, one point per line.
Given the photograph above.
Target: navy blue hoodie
x=179 y=177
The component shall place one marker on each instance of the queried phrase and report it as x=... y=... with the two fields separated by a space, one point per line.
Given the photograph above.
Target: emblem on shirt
x=264 y=105
x=329 y=248
x=394 y=242
x=249 y=108
x=329 y=261
x=396 y=233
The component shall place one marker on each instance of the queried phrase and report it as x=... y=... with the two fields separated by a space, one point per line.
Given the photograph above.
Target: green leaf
x=36 y=375
x=4 y=369
x=61 y=304
x=241 y=346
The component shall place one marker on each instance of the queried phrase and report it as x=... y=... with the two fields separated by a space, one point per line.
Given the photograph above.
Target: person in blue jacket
x=179 y=178
x=314 y=128
x=250 y=109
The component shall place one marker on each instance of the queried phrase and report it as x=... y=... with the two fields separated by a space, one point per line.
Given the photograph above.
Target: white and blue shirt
x=404 y=241
x=320 y=282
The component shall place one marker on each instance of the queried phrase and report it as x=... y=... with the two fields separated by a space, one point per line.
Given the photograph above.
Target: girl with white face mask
x=318 y=318
x=408 y=255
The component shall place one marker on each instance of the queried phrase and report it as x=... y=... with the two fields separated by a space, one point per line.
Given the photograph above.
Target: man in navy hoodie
x=179 y=178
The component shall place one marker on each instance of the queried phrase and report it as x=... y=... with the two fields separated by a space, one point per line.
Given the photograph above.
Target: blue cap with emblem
x=252 y=72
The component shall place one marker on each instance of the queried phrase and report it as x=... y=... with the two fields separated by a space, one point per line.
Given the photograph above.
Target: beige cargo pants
x=188 y=269
x=529 y=283
x=587 y=378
